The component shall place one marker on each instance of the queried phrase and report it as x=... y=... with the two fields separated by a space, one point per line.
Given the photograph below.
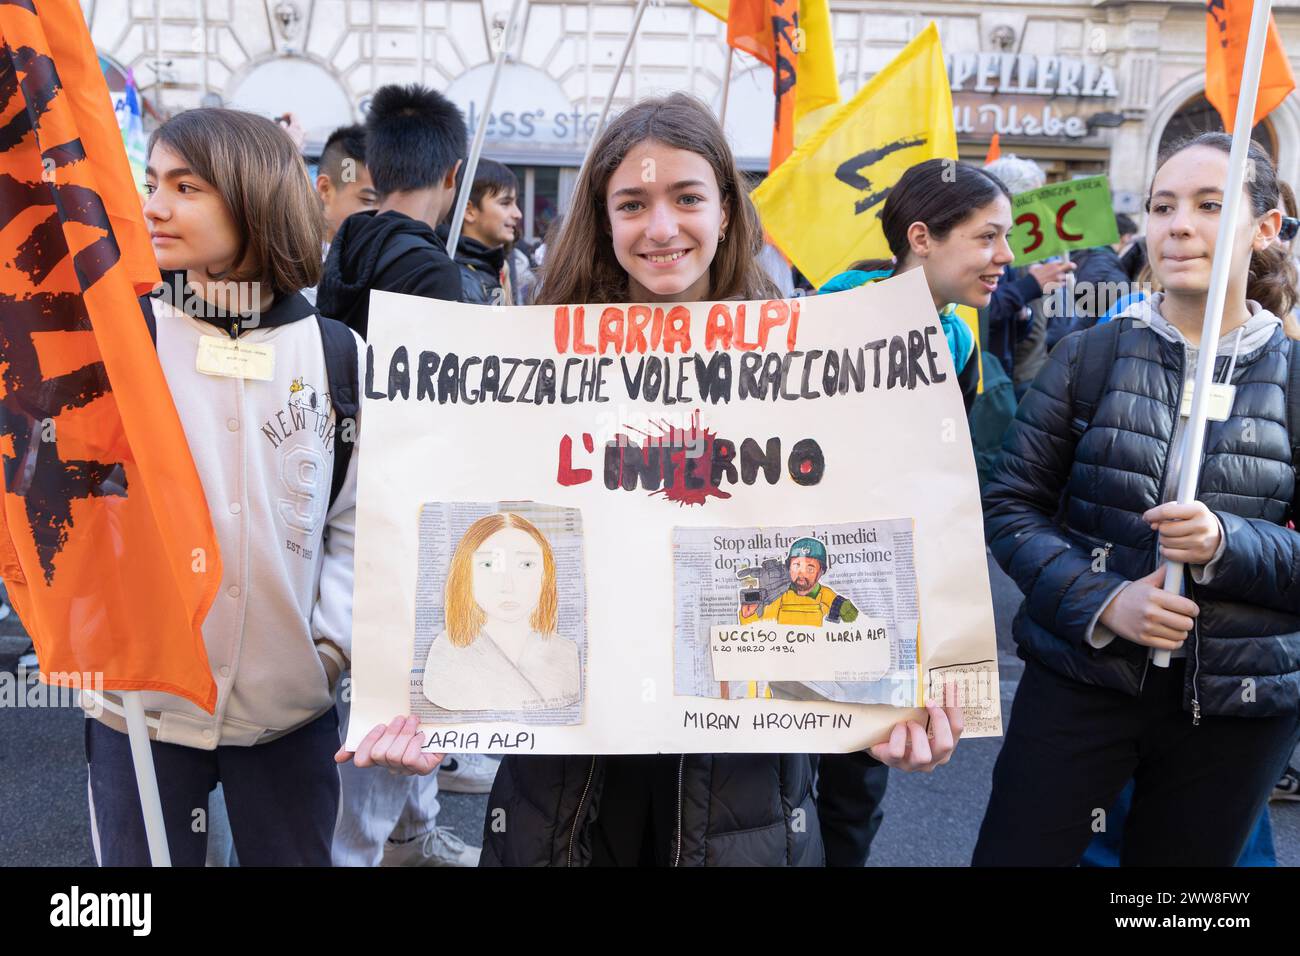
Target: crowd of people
x=1077 y=431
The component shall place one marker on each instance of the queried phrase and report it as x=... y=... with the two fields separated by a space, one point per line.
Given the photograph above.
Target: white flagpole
x=476 y=149
x=146 y=780
x=1190 y=475
x=726 y=87
x=613 y=86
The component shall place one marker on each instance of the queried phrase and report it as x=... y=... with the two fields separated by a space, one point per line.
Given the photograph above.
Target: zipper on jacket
x=577 y=818
x=681 y=765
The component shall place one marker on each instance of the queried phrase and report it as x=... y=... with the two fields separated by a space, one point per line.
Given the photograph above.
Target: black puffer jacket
x=732 y=810
x=480 y=269
x=1244 y=653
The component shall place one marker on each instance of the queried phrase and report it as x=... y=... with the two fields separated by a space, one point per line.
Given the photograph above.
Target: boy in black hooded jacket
x=415 y=143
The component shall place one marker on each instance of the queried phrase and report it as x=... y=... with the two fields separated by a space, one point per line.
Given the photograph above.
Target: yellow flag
x=822 y=205
x=818 y=91
x=716 y=7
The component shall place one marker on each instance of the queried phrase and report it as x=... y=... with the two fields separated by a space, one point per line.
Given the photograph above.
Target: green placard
x=1060 y=217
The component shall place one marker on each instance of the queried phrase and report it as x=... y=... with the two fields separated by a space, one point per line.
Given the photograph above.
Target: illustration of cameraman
x=794 y=594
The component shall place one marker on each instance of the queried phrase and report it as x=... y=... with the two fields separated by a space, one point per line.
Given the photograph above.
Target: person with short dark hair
x=415 y=143
x=342 y=179
x=1126 y=228
x=414 y=146
x=483 y=251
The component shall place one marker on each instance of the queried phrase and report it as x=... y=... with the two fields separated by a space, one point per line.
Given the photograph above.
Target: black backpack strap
x=1293 y=403
x=341 y=359
x=150 y=320
x=1097 y=348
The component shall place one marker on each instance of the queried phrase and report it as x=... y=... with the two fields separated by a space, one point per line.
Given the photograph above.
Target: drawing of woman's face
x=507 y=575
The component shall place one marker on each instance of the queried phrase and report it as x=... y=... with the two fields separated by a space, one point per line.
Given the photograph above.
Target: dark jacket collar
x=476 y=255
x=284 y=310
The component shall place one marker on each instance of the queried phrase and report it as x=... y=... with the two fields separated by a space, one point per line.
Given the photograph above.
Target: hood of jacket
x=473 y=253
x=1254 y=334
x=176 y=292
x=354 y=255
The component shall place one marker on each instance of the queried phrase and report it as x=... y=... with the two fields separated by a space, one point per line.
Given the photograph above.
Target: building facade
x=1082 y=86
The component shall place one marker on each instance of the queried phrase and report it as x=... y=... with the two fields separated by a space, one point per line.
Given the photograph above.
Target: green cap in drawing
x=807 y=548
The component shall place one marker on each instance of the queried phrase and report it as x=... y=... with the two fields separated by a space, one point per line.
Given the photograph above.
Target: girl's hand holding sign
x=396 y=746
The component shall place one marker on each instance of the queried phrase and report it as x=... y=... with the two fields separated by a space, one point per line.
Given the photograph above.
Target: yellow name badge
x=231 y=358
x=1221 y=396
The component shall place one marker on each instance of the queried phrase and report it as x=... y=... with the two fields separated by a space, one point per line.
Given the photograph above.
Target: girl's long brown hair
x=580 y=265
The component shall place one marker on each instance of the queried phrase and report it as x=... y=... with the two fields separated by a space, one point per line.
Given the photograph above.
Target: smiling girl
x=660 y=215
x=950 y=220
x=1081 y=511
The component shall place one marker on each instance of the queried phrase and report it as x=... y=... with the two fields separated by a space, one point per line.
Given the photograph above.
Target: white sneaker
x=467 y=773
x=438 y=847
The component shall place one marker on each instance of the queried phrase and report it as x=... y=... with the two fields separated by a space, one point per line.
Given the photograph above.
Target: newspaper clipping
x=500 y=614
x=806 y=612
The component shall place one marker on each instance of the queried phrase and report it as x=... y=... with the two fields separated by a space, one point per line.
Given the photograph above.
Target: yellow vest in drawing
x=792 y=608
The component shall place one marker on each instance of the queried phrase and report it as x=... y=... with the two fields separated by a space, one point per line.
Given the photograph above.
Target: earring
x=722 y=237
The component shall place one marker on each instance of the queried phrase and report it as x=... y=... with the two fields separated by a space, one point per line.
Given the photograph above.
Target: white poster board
x=711 y=527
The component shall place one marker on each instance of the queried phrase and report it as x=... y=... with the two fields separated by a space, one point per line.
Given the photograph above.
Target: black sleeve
x=1013 y=294
x=146 y=312
x=436 y=279
x=1099 y=283
x=1063 y=591
x=969 y=379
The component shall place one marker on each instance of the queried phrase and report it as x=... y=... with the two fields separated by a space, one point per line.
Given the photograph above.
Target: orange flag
x=995 y=150
x=769 y=30
x=1227 y=26
x=106 y=544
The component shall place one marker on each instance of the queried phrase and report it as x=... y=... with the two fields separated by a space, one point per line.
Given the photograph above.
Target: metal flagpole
x=471 y=164
x=726 y=87
x=613 y=86
x=1190 y=475
x=146 y=780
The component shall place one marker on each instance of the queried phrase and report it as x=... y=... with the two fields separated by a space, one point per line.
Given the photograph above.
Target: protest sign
x=564 y=512
x=1062 y=216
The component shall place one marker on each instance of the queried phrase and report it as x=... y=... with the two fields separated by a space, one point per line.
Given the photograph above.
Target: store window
x=1198 y=116
x=539 y=198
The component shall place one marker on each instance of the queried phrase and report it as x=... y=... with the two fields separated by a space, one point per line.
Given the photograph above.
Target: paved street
x=930 y=819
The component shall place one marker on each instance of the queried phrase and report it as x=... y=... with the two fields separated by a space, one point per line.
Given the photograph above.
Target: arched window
x=1198 y=116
